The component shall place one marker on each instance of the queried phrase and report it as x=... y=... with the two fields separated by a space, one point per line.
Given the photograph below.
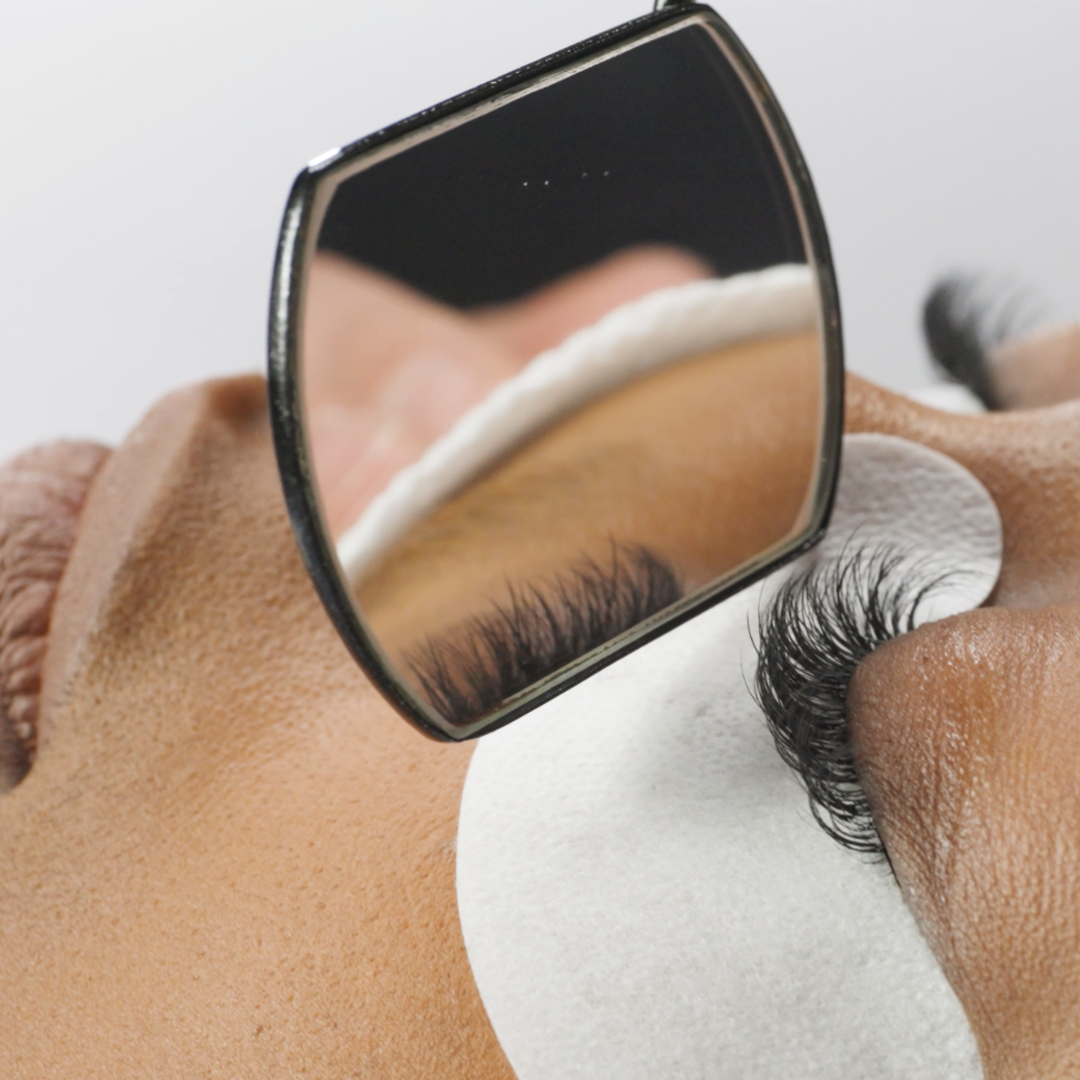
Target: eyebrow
x=813 y=635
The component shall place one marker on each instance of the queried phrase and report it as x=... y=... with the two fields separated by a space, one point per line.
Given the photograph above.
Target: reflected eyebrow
x=478 y=665
x=814 y=634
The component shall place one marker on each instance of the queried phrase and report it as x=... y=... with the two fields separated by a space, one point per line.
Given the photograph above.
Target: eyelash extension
x=814 y=634
x=963 y=324
x=491 y=657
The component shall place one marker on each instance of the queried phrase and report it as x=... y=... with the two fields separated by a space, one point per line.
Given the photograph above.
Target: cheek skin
x=230 y=858
x=967 y=741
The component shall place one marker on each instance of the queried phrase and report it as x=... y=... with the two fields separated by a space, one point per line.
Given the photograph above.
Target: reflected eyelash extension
x=963 y=322
x=814 y=634
x=540 y=629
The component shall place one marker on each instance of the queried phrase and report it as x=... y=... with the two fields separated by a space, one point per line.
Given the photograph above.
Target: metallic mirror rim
x=286 y=393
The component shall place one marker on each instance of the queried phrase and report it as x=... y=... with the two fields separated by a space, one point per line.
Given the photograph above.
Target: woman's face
x=231 y=857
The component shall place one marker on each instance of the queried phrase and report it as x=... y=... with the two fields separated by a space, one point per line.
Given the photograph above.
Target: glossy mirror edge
x=296 y=242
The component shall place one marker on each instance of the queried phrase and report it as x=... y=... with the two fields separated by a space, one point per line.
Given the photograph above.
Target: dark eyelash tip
x=539 y=629
x=813 y=634
x=964 y=320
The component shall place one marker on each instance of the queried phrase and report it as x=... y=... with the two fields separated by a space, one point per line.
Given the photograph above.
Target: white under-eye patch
x=924 y=506
x=642 y=889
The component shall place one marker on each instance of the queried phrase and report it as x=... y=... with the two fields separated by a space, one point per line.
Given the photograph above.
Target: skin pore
x=223 y=869
x=232 y=858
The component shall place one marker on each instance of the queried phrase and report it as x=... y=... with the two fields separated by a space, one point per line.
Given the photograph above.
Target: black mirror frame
x=286 y=404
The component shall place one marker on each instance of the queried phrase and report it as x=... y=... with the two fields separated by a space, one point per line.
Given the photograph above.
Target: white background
x=147 y=150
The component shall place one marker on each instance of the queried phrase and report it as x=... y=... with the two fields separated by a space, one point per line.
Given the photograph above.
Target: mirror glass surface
x=562 y=368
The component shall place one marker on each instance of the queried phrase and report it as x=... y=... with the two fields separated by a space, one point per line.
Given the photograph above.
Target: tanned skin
x=231 y=858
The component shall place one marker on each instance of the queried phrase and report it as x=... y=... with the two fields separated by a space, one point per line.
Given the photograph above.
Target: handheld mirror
x=554 y=366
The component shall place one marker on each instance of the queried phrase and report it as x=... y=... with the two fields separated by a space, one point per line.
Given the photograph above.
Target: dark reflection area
x=539 y=629
x=567 y=175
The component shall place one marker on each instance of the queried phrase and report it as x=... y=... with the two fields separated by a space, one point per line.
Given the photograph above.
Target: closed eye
x=489 y=658
x=814 y=634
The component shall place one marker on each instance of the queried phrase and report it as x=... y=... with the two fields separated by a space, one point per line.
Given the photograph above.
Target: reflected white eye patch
x=641 y=887
x=642 y=336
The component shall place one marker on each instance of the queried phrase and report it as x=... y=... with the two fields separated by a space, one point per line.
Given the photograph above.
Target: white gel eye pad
x=642 y=889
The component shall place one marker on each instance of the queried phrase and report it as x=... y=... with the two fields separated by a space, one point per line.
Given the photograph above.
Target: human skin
x=232 y=858
x=966 y=739
x=720 y=433
x=387 y=371
x=213 y=869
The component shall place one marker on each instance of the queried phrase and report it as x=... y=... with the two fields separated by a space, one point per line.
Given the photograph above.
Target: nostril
x=41 y=496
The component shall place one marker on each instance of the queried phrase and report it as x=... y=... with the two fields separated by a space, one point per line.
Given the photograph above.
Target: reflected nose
x=1030 y=464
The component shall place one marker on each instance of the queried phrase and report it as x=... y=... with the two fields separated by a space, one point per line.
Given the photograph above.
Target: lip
x=42 y=492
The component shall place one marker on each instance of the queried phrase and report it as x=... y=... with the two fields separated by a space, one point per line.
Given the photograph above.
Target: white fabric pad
x=642 y=890
x=902 y=494
x=667 y=325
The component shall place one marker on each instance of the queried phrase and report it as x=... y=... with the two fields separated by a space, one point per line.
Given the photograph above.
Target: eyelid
x=489 y=658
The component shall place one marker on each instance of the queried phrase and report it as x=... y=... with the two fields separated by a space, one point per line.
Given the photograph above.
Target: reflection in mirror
x=562 y=368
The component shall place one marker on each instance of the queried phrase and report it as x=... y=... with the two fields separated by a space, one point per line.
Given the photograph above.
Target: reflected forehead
x=508 y=502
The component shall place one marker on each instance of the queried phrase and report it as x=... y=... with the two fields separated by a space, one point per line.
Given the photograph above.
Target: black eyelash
x=814 y=634
x=540 y=629
x=963 y=323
